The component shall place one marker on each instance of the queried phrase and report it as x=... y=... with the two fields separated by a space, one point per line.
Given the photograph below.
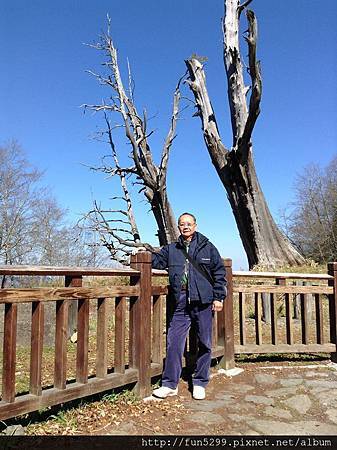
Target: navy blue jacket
x=204 y=252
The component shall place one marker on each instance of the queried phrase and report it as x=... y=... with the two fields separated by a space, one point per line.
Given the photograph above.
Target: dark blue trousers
x=184 y=314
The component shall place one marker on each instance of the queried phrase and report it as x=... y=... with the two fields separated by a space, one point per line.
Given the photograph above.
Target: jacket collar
x=198 y=239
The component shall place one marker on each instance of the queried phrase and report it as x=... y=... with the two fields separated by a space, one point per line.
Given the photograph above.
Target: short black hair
x=187 y=214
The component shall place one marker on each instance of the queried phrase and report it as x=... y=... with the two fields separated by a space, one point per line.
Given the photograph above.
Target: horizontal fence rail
x=285 y=312
x=121 y=327
x=132 y=320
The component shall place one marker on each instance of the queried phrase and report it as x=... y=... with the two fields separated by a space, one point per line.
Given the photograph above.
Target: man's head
x=187 y=225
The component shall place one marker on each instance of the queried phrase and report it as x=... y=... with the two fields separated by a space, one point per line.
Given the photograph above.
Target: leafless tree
x=116 y=229
x=33 y=227
x=312 y=223
x=18 y=199
x=144 y=171
x=263 y=241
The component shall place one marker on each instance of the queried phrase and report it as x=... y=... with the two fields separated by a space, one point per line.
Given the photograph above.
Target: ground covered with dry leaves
x=112 y=411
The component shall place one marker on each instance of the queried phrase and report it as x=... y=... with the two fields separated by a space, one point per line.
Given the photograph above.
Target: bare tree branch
x=171 y=134
x=197 y=83
x=256 y=86
x=243 y=6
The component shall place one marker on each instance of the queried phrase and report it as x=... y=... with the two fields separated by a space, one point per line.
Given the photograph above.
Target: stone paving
x=273 y=400
x=262 y=400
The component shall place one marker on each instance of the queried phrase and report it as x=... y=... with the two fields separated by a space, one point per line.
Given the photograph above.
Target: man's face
x=187 y=226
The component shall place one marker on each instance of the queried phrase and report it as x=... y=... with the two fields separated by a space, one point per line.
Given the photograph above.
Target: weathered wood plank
x=108 y=271
x=9 y=353
x=283 y=289
x=52 y=294
x=289 y=320
x=142 y=331
x=242 y=318
x=158 y=329
x=290 y=275
x=319 y=319
x=63 y=271
x=228 y=319
x=60 y=366
x=120 y=319
x=36 y=348
x=273 y=311
x=284 y=348
x=159 y=290
x=258 y=323
x=102 y=338
x=304 y=320
x=332 y=270
x=159 y=273
x=132 y=331
x=82 y=341
x=73 y=282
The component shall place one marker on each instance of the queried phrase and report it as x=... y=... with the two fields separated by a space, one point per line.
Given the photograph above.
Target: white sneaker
x=199 y=393
x=164 y=392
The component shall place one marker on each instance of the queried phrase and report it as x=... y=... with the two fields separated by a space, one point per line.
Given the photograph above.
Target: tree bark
x=164 y=216
x=263 y=242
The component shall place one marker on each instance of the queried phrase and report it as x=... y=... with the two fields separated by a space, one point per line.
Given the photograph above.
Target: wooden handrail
x=25 y=295
x=66 y=271
x=251 y=274
x=110 y=271
x=283 y=289
x=307 y=276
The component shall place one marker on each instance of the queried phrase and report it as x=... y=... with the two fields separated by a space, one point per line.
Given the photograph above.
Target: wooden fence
x=139 y=328
x=311 y=330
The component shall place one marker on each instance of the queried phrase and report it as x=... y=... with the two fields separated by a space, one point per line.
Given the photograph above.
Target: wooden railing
x=286 y=331
x=139 y=328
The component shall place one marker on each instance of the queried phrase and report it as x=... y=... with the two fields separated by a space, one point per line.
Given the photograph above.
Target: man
x=198 y=285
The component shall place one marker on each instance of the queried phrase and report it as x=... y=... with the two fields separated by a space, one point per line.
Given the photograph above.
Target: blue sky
x=44 y=82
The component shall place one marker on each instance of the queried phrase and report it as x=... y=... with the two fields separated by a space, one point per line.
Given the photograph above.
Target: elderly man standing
x=198 y=286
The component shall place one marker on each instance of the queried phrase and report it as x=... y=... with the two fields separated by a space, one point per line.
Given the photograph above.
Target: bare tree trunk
x=164 y=216
x=264 y=243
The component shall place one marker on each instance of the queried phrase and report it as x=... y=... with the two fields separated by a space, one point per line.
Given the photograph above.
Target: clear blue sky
x=44 y=82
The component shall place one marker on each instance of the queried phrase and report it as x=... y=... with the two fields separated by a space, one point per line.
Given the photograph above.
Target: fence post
x=142 y=321
x=72 y=281
x=227 y=362
x=332 y=270
x=9 y=352
x=266 y=307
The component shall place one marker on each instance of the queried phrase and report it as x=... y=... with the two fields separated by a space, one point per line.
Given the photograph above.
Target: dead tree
x=263 y=241
x=150 y=176
x=117 y=228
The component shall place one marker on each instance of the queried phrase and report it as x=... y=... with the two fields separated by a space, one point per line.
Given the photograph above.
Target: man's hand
x=217 y=306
